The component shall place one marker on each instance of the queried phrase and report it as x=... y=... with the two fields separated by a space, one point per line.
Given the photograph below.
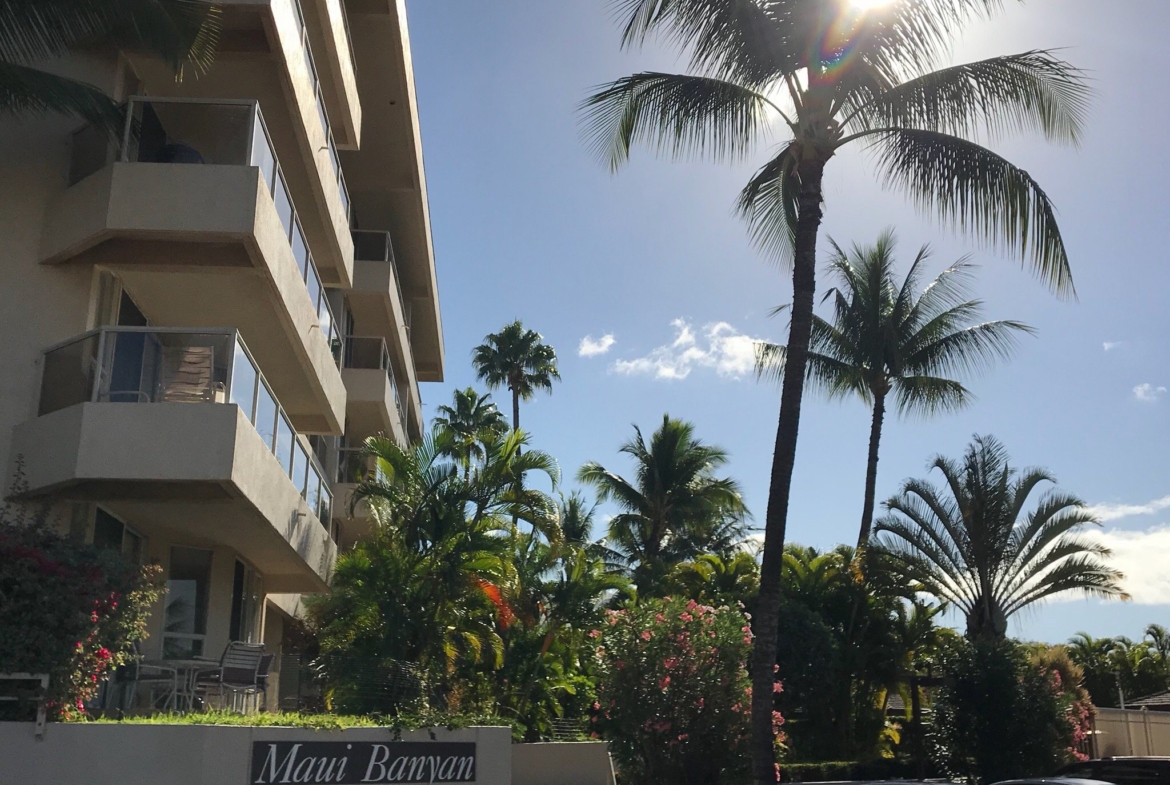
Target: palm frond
x=978 y=192
x=677 y=114
x=768 y=203
x=25 y=91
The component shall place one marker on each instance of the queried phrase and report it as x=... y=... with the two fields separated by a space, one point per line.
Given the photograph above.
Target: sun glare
x=866 y=5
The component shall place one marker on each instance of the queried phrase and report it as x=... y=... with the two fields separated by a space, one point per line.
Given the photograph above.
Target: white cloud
x=730 y=353
x=1111 y=512
x=1148 y=393
x=591 y=347
x=1142 y=556
x=1111 y=345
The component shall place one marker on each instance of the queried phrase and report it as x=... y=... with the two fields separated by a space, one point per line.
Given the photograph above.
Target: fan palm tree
x=519 y=360
x=470 y=420
x=837 y=72
x=888 y=339
x=182 y=33
x=970 y=545
x=675 y=508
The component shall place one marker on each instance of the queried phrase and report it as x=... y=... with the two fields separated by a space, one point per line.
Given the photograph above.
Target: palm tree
x=969 y=544
x=836 y=72
x=887 y=339
x=182 y=33
x=675 y=508
x=470 y=420
x=519 y=360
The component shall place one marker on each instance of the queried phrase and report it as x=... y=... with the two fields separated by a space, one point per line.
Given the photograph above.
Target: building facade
x=205 y=319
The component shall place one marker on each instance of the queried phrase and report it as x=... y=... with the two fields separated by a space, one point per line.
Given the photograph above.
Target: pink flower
x=670 y=663
x=596 y=706
x=777 y=687
x=777 y=721
x=664 y=682
x=658 y=617
x=686 y=616
x=103 y=653
x=683 y=736
x=692 y=605
x=595 y=633
x=646 y=635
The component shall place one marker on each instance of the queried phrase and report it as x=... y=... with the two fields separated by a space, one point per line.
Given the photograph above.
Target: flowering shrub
x=1002 y=715
x=69 y=610
x=673 y=694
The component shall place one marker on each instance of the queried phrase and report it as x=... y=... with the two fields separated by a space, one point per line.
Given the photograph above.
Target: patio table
x=187 y=674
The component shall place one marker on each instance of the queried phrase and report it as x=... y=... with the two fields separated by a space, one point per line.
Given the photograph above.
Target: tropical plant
x=471 y=419
x=431 y=587
x=70 y=610
x=519 y=360
x=673 y=692
x=182 y=33
x=999 y=715
x=970 y=545
x=837 y=72
x=716 y=579
x=675 y=508
x=887 y=339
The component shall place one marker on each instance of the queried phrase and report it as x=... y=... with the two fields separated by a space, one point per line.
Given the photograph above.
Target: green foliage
x=843 y=647
x=715 y=579
x=964 y=542
x=519 y=360
x=398 y=723
x=674 y=509
x=673 y=694
x=1139 y=668
x=182 y=33
x=67 y=609
x=1000 y=715
x=845 y=771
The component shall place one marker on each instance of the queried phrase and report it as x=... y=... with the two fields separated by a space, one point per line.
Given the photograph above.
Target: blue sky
x=527 y=224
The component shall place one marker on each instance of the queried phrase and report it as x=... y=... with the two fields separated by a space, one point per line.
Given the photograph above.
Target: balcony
x=207 y=449
x=197 y=218
x=373 y=404
x=379 y=307
x=354 y=521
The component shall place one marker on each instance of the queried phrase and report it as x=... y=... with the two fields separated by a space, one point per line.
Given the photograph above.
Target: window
x=247 y=596
x=111 y=534
x=185 y=615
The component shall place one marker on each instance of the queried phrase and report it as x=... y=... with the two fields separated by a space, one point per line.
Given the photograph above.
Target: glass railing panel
x=284 y=442
x=263 y=156
x=354 y=465
x=165 y=367
x=69 y=373
x=325 y=505
x=190 y=132
x=266 y=414
x=300 y=251
x=245 y=378
x=299 y=473
x=313 y=492
x=371 y=245
x=283 y=202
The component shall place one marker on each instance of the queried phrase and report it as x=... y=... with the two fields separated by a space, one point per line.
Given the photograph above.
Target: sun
x=866 y=5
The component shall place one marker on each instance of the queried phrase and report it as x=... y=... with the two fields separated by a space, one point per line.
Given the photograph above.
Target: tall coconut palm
x=836 y=72
x=470 y=419
x=519 y=360
x=675 y=508
x=887 y=339
x=970 y=544
x=182 y=33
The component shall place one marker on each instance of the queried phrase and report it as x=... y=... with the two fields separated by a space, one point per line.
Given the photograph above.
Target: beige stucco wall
x=562 y=763
x=112 y=754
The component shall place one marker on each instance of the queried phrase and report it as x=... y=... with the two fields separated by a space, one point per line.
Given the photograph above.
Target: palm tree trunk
x=875 y=437
x=515 y=410
x=767 y=619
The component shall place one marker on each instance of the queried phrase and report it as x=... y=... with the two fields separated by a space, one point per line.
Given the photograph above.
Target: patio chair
x=160 y=681
x=187 y=375
x=237 y=674
x=262 y=681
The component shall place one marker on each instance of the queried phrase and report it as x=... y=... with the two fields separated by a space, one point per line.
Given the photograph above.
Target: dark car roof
x=1122 y=771
x=1053 y=781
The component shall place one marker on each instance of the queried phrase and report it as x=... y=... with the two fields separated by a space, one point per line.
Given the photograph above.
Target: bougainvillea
x=674 y=697
x=67 y=609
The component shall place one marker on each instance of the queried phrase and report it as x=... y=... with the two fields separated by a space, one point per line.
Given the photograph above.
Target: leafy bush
x=1000 y=716
x=67 y=609
x=673 y=694
x=851 y=770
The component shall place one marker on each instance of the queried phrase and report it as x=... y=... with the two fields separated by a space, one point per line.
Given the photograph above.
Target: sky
x=648 y=287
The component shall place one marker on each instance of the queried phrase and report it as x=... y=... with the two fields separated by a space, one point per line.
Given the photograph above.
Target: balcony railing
x=371 y=352
x=180 y=365
x=355 y=465
x=192 y=131
x=322 y=115
x=374 y=245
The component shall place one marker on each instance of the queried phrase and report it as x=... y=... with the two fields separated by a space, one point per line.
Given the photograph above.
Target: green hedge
x=843 y=771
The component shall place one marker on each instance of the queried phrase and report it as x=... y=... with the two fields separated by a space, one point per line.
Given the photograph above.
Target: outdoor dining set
x=237 y=680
